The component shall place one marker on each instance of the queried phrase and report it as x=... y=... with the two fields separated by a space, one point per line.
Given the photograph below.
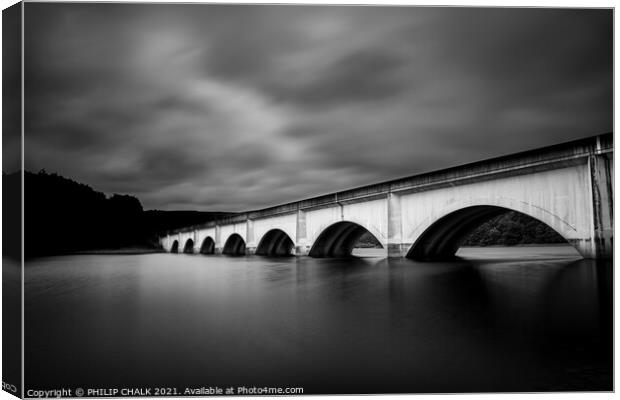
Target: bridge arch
x=175 y=247
x=234 y=246
x=189 y=246
x=439 y=237
x=275 y=242
x=208 y=246
x=338 y=240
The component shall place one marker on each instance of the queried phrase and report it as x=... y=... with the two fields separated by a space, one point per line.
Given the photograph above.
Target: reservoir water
x=498 y=319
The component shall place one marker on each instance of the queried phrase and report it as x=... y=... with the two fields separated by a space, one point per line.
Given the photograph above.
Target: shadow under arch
x=338 y=240
x=276 y=242
x=189 y=247
x=175 y=247
x=208 y=246
x=235 y=245
x=442 y=239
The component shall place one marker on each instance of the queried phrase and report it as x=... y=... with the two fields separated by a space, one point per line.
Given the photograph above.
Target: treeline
x=63 y=216
x=511 y=229
x=368 y=241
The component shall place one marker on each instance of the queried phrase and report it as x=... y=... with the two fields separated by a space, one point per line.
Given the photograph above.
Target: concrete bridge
x=568 y=186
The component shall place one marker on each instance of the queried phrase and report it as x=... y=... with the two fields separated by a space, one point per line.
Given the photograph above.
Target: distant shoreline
x=125 y=251
x=520 y=245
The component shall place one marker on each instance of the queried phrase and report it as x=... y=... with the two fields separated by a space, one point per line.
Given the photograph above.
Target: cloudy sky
x=231 y=107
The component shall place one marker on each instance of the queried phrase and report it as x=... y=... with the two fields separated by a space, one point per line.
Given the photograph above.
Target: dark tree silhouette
x=63 y=216
x=511 y=229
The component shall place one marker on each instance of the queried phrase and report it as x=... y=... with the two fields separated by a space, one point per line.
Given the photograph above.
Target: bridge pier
x=601 y=182
x=219 y=246
x=395 y=246
x=301 y=246
x=196 y=249
x=250 y=245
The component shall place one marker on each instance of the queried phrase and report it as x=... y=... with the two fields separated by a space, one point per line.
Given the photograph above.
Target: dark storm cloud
x=231 y=107
x=362 y=76
x=544 y=58
x=11 y=89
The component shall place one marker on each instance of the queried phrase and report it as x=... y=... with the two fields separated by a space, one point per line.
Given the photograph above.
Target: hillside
x=64 y=216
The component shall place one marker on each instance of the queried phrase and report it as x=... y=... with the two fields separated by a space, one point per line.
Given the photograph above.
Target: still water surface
x=518 y=319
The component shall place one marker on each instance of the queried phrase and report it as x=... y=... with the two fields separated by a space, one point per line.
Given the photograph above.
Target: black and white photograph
x=228 y=199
